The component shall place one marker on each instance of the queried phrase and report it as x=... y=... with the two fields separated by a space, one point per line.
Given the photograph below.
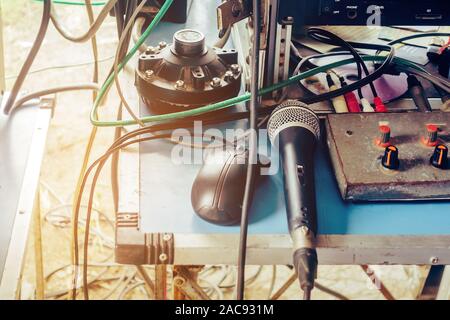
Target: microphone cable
x=252 y=147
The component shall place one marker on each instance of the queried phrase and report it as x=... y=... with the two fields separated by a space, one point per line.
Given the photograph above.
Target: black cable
x=383 y=47
x=31 y=56
x=385 y=66
x=436 y=80
x=253 y=143
x=419 y=35
x=131 y=7
x=123 y=22
x=328 y=37
x=396 y=69
x=118 y=12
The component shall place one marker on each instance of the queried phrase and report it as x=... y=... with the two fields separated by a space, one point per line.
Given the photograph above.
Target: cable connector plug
x=445 y=98
x=339 y=103
x=352 y=102
x=418 y=94
x=350 y=98
x=305 y=263
x=446 y=106
x=366 y=106
x=379 y=105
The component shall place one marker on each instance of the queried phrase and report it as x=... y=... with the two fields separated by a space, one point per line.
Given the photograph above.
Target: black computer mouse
x=218 y=189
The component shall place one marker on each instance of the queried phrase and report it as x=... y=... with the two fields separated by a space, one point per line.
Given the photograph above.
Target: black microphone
x=294 y=130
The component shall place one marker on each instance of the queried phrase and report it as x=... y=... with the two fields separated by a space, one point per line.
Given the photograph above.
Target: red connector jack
x=352 y=102
x=379 y=105
x=350 y=99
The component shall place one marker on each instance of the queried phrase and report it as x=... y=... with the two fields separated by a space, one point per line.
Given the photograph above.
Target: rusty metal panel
x=356 y=158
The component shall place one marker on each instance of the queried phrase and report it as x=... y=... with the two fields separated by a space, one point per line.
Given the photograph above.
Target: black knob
x=390 y=159
x=439 y=158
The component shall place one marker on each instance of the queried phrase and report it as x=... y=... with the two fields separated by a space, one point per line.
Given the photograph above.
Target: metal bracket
x=242 y=33
x=133 y=246
x=282 y=52
x=160 y=248
x=41 y=102
x=48 y=103
x=232 y=11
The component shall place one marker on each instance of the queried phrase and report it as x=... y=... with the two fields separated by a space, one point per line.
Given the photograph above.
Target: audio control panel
x=390 y=156
x=365 y=12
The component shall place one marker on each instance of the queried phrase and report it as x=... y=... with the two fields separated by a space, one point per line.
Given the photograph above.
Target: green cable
x=215 y=106
x=242 y=98
x=75 y=3
x=127 y=58
x=208 y=108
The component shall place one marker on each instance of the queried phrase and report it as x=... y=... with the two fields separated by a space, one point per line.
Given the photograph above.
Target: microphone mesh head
x=292 y=113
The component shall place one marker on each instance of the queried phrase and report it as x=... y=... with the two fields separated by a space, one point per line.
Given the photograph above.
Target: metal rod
x=284 y=287
x=38 y=256
x=377 y=282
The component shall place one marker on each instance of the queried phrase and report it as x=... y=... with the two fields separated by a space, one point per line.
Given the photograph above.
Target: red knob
x=431 y=138
x=384 y=139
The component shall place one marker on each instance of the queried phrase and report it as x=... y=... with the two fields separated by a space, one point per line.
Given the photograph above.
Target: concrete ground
x=67 y=139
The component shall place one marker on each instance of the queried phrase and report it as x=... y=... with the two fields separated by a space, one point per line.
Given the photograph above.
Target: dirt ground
x=67 y=139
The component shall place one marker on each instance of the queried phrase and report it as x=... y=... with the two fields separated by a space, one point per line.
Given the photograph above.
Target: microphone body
x=296 y=147
x=294 y=129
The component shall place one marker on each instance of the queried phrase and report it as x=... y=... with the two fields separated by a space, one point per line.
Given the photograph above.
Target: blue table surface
x=165 y=187
x=166 y=205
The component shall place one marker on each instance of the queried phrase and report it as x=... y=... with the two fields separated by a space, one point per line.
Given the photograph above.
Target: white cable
x=92 y=28
x=37 y=94
x=272 y=282
x=215 y=288
x=128 y=289
x=366 y=106
x=63 y=66
x=137 y=32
